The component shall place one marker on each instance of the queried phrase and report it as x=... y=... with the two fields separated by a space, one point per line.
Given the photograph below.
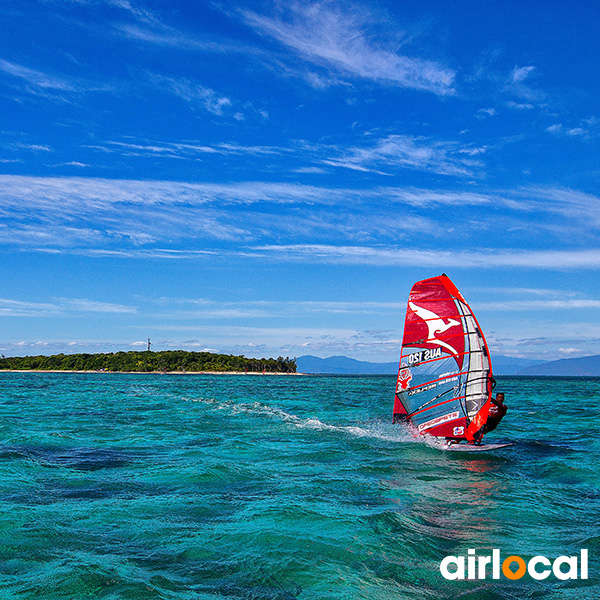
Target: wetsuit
x=497 y=411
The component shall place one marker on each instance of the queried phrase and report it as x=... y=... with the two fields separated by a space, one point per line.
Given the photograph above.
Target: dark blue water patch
x=80 y=459
x=209 y=441
x=540 y=448
x=55 y=491
x=90 y=580
x=9 y=453
x=205 y=571
x=260 y=585
x=14 y=399
x=84 y=493
x=91 y=459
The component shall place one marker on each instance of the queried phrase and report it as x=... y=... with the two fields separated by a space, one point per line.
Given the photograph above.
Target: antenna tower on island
x=149 y=344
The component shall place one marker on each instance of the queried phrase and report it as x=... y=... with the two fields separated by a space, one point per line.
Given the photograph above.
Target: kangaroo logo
x=435 y=324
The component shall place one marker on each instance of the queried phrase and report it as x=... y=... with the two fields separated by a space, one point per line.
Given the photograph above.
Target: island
x=170 y=361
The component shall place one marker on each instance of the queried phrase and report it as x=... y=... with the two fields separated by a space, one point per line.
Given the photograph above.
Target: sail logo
x=423 y=356
x=435 y=324
x=438 y=421
x=475 y=567
x=404 y=378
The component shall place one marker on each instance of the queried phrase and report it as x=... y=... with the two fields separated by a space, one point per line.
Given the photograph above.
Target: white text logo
x=538 y=567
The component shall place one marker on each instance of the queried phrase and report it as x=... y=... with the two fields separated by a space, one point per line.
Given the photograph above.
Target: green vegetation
x=169 y=361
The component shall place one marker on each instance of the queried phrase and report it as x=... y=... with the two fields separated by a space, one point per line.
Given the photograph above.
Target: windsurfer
x=497 y=411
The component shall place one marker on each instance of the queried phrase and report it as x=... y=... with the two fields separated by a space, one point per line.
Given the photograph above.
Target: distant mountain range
x=342 y=365
x=586 y=366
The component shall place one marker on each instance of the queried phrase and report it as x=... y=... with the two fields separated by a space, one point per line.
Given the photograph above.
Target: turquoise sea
x=240 y=487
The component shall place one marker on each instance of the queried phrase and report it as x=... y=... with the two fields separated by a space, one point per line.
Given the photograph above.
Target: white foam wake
x=378 y=430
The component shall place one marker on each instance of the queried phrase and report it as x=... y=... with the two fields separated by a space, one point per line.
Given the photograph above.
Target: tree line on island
x=147 y=362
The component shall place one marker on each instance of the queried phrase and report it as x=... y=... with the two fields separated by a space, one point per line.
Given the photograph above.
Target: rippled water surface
x=265 y=487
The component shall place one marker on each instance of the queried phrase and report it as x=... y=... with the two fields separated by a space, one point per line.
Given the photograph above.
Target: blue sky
x=267 y=178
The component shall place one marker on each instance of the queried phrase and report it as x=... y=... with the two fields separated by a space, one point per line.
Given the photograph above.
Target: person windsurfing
x=497 y=411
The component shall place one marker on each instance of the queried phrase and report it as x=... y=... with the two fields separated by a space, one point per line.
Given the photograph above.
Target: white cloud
x=585 y=129
x=424 y=198
x=184 y=220
x=385 y=155
x=525 y=291
x=32 y=147
x=569 y=304
x=401 y=151
x=310 y=170
x=35 y=78
x=159 y=34
x=196 y=95
x=95 y=194
x=520 y=74
x=519 y=85
x=286 y=340
x=39 y=83
x=339 y=37
x=193 y=309
x=84 y=305
x=60 y=306
x=17 y=308
x=572 y=205
x=185 y=150
x=441 y=259
x=560 y=129
x=486 y=112
x=519 y=105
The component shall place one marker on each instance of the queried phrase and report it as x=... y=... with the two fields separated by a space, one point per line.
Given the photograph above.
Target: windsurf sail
x=445 y=381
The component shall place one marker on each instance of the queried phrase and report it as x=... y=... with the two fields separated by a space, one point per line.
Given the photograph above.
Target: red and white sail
x=445 y=377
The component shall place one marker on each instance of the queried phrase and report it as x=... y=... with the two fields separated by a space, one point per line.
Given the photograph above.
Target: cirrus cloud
x=338 y=38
